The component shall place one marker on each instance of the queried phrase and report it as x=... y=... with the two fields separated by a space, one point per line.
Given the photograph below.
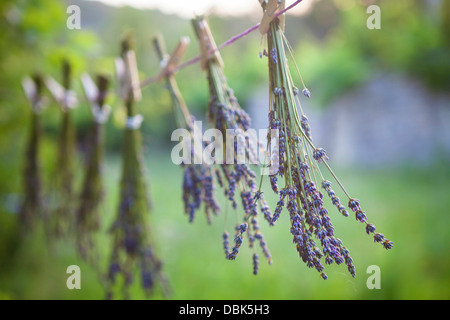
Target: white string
x=134 y=122
x=70 y=100
x=101 y=115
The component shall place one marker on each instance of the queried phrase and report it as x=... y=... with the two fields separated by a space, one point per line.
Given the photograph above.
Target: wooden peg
x=121 y=78
x=175 y=58
x=56 y=90
x=271 y=7
x=132 y=75
x=178 y=101
x=208 y=48
x=90 y=89
x=32 y=87
x=95 y=93
x=62 y=94
x=29 y=87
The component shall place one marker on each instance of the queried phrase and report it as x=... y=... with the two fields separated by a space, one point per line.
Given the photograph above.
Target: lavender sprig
x=198 y=179
x=298 y=164
x=239 y=180
x=32 y=205
x=133 y=244
x=87 y=215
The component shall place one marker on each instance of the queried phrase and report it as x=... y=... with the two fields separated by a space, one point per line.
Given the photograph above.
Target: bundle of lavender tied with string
x=198 y=177
x=133 y=243
x=87 y=217
x=60 y=221
x=299 y=160
x=236 y=177
x=32 y=205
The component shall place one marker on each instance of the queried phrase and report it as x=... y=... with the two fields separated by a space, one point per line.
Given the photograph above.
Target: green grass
x=409 y=206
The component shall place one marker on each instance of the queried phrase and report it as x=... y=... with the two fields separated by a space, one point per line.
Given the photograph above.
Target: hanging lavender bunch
x=61 y=218
x=237 y=179
x=299 y=166
x=87 y=219
x=32 y=205
x=133 y=243
x=198 y=178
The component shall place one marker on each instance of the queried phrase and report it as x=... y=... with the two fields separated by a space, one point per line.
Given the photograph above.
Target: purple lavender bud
x=324 y=276
x=345 y=213
x=326 y=184
x=263 y=245
x=131 y=244
x=378 y=237
x=319 y=154
x=147 y=280
x=114 y=268
x=370 y=228
x=255 y=264
x=305 y=126
x=351 y=269
x=338 y=259
x=219 y=177
x=277 y=91
x=273 y=183
x=387 y=244
x=360 y=216
x=265 y=209
x=274 y=55
x=226 y=243
x=306 y=92
x=354 y=205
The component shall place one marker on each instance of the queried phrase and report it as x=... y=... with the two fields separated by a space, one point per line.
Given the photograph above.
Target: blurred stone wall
x=388 y=121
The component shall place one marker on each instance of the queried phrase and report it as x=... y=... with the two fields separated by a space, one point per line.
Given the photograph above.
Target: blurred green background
x=408 y=201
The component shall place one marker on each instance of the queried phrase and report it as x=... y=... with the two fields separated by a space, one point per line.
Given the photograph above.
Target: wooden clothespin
x=133 y=75
x=271 y=7
x=171 y=62
x=32 y=87
x=127 y=74
x=178 y=101
x=62 y=94
x=65 y=98
x=90 y=89
x=208 y=48
x=96 y=94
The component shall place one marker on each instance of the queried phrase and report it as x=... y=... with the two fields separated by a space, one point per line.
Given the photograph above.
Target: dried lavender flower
x=298 y=164
x=133 y=243
x=32 y=205
x=87 y=216
x=60 y=219
x=198 y=179
x=224 y=113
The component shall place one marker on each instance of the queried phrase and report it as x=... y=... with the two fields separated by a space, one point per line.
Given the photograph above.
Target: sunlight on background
x=192 y=7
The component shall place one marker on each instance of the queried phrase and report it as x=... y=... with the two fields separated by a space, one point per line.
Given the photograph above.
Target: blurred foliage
x=413 y=40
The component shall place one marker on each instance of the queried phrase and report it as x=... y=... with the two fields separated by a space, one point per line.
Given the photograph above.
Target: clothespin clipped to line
x=169 y=63
x=96 y=97
x=128 y=76
x=32 y=88
x=65 y=98
x=271 y=8
x=169 y=70
x=208 y=48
